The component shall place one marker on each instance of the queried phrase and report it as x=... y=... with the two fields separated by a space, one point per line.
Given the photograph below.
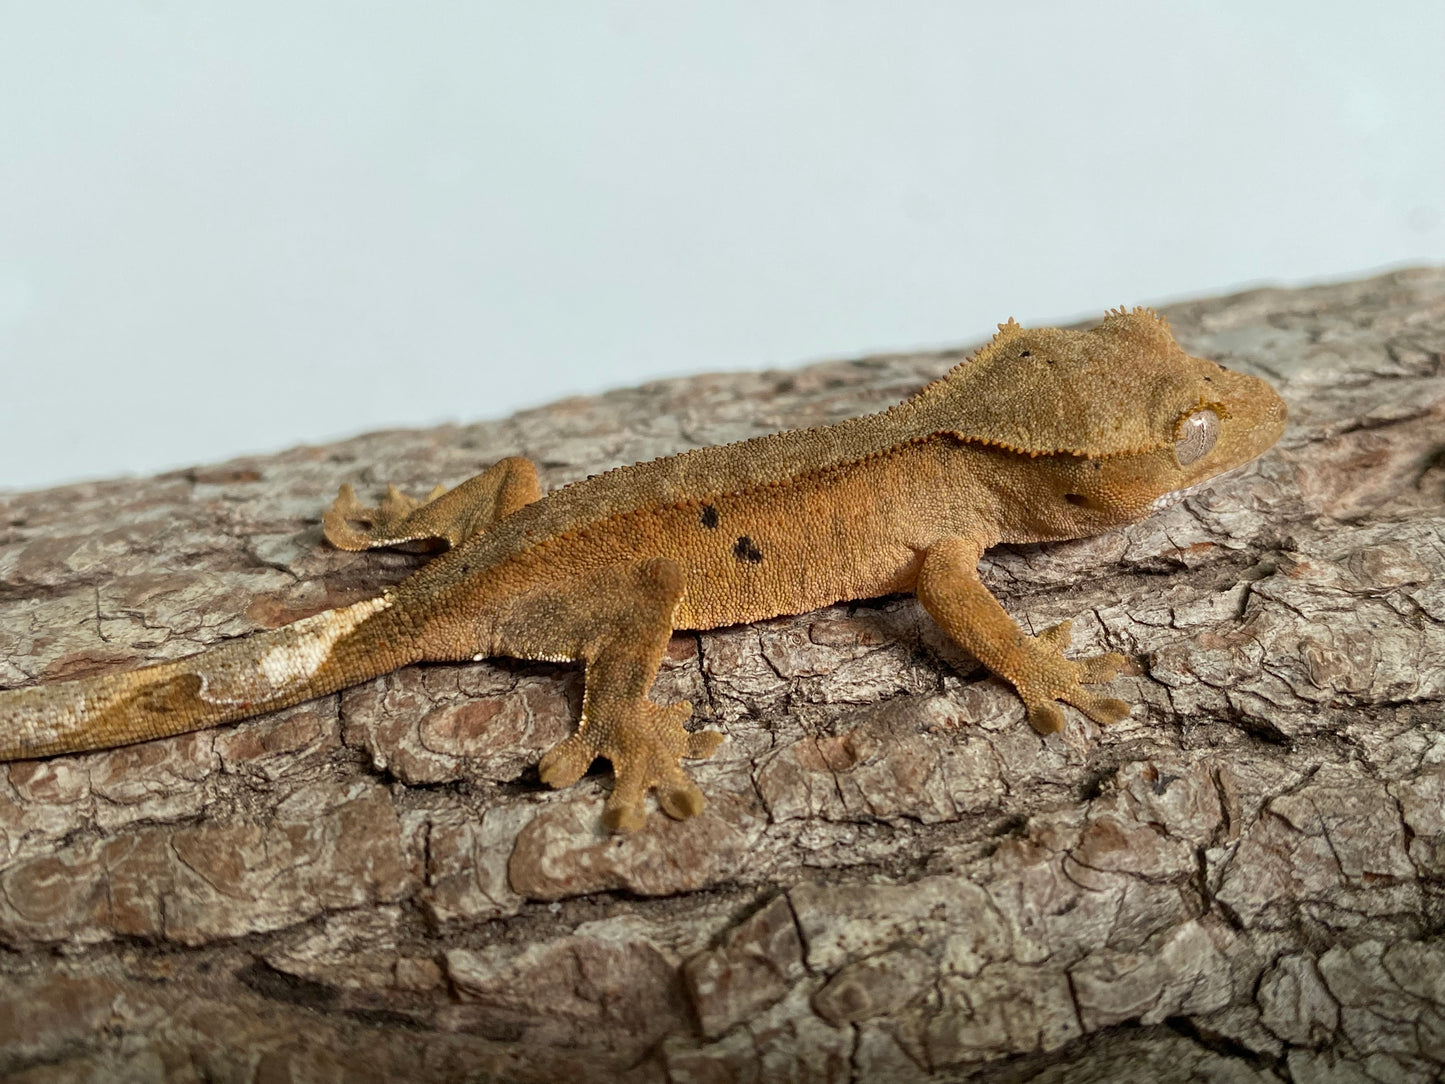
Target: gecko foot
x=1055 y=678
x=644 y=741
x=378 y=524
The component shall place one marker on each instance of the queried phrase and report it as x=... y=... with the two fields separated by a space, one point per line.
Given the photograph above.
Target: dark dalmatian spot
x=746 y=551
x=709 y=517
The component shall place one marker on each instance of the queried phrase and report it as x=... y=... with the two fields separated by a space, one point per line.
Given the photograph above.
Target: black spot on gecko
x=1025 y=353
x=746 y=551
x=709 y=517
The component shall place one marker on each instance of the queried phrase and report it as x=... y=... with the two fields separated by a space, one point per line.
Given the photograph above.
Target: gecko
x=1042 y=435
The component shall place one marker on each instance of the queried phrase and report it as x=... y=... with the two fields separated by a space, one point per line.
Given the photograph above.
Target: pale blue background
x=237 y=227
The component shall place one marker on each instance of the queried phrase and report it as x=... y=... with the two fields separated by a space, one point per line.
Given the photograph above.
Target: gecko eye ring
x=1197 y=434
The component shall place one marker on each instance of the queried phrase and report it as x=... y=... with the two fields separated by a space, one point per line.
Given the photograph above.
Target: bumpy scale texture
x=1044 y=435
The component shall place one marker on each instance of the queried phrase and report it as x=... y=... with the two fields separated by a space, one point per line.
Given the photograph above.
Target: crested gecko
x=1043 y=434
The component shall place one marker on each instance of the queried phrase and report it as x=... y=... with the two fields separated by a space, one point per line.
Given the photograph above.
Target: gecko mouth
x=1169 y=500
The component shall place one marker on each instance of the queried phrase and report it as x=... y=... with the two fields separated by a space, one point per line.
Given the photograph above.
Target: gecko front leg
x=617 y=621
x=445 y=515
x=950 y=590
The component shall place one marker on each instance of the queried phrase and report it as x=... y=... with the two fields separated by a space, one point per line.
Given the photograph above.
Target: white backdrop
x=235 y=227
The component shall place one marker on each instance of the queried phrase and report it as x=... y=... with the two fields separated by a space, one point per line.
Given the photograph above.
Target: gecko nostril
x=1076 y=498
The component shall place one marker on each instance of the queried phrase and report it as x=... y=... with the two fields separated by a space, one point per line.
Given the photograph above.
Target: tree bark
x=895 y=878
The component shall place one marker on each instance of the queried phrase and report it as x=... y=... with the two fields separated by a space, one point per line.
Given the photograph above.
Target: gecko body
x=1043 y=435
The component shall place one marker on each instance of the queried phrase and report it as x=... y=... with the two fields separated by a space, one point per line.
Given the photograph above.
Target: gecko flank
x=1042 y=435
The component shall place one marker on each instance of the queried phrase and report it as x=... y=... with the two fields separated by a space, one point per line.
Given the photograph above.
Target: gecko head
x=1203 y=420
x=1127 y=419
x=1232 y=419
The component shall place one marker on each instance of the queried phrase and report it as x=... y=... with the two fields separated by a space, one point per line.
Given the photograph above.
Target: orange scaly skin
x=1043 y=435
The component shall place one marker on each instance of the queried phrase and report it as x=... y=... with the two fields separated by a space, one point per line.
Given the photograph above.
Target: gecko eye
x=1197 y=434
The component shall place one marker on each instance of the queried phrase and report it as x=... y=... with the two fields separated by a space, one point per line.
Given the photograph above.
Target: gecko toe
x=632 y=779
x=680 y=797
x=1046 y=717
x=1106 y=709
x=702 y=744
x=567 y=761
x=336 y=521
x=350 y=525
x=644 y=741
x=1057 y=636
x=623 y=813
x=1100 y=668
x=1063 y=679
x=671 y=716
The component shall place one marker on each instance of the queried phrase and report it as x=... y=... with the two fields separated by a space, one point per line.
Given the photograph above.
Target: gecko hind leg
x=618 y=622
x=445 y=515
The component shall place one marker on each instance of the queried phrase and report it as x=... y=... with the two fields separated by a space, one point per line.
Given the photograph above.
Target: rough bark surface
x=895 y=879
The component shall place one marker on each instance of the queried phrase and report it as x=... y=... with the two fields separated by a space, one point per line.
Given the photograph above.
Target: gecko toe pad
x=567 y=761
x=1046 y=717
x=701 y=744
x=1105 y=710
x=1100 y=668
x=679 y=798
x=1092 y=669
x=1058 y=636
x=1053 y=678
x=644 y=741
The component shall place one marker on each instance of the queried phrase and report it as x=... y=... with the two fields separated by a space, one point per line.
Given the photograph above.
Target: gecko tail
x=262 y=672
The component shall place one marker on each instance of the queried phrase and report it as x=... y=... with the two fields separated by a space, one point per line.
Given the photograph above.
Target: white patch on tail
x=311 y=642
x=247 y=671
